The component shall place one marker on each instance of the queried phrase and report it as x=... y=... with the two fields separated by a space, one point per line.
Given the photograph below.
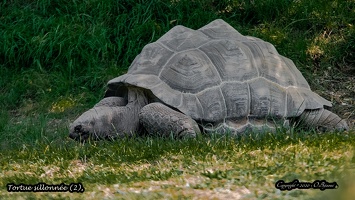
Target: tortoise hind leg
x=158 y=118
x=323 y=119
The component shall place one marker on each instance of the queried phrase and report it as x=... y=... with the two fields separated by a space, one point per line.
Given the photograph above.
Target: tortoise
x=212 y=79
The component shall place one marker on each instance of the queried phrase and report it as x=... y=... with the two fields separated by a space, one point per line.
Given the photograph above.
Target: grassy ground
x=208 y=167
x=56 y=57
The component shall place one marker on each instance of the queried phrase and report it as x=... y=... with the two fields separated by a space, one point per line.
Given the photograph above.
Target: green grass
x=167 y=168
x=54 y=48
x=57 y=56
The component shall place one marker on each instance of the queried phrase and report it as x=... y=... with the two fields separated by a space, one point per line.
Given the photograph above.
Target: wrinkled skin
x=113 y=117
x=110 y=118
x=323 y=120
x=105 y=123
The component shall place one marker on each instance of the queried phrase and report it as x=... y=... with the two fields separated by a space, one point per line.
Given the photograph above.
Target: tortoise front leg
x=324 y=119
x=157 y=118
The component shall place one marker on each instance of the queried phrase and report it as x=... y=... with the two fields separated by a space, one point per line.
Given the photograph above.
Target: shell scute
x=150 y=60
x=213 y=104
x=191 y=106
x=231 y=59
x=181 y=38
x=218 y=29
x=190 y=71
x=266 y=99
x=236 y=96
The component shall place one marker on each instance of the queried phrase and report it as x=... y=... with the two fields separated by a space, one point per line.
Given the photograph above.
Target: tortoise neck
x=136 y=97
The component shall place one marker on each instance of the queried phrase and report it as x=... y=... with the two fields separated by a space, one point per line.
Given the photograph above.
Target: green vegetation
x=56 y=57
x=153 y=168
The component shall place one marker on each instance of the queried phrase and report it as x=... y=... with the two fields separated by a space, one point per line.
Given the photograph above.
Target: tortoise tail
x=323 y=119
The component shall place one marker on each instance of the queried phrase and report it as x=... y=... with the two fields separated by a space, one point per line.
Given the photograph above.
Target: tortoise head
x=93 y=124
x=112 y=117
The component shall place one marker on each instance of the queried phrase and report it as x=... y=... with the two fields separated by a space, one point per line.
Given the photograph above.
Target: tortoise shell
x=215 y=74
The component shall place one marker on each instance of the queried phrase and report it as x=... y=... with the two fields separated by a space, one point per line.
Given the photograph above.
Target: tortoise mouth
x=79 y=133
